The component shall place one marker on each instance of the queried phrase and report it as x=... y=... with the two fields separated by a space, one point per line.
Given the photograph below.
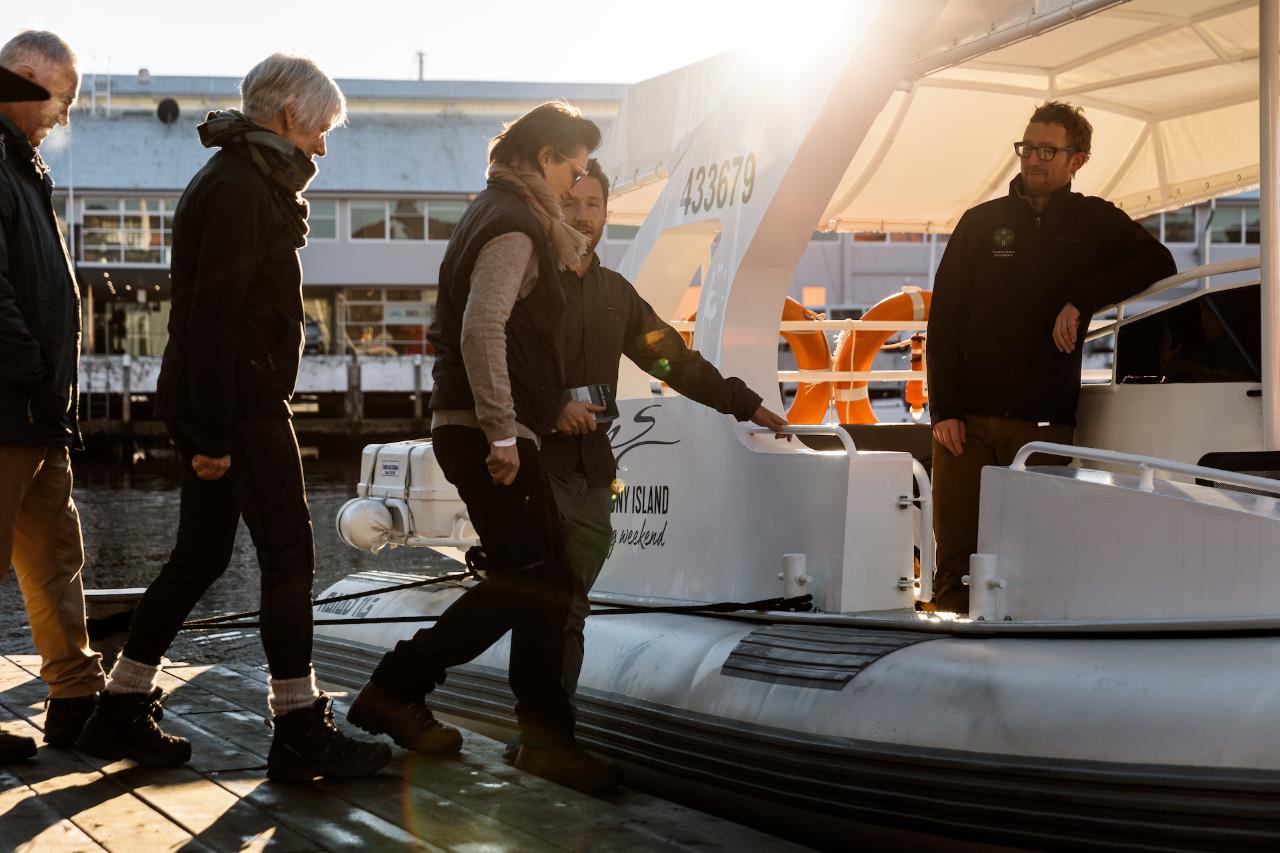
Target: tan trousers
x=956 y=484
x=40 y=533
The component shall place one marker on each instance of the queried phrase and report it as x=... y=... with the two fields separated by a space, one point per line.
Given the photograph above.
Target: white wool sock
x=292 y=694
x=129 y=676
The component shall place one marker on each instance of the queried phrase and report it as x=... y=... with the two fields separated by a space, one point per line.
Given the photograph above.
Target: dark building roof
x=356 y=89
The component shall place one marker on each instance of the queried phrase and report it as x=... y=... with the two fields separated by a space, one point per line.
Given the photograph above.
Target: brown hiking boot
x=410 y=724
x=574 y=768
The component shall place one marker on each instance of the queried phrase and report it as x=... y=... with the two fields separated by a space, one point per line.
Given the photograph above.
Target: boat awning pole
x=1269 y=215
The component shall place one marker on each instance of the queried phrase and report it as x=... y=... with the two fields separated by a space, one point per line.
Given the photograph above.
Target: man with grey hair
x=229 y=369
x=39 y=349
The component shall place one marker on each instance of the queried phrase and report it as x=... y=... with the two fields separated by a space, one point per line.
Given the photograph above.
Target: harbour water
x=129 y=514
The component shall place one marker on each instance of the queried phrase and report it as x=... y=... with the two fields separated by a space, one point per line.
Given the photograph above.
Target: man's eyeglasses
x=1044 y=152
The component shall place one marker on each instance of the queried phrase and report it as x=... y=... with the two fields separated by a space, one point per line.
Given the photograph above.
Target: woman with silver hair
x=235 y=340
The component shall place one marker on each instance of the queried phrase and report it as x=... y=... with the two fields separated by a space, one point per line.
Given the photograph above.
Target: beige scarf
x=569 y=244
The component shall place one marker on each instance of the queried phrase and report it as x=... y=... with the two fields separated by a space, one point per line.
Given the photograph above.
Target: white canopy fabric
x=1170 y=87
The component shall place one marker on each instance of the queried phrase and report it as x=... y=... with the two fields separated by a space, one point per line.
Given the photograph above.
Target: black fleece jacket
x=605 y=319
x=39 y=305
x=235 y=326
x=1006 y=274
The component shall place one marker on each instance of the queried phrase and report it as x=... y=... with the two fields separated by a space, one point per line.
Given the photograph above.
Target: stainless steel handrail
x=1146 y=465
x=1186 y=277
x=812 y=429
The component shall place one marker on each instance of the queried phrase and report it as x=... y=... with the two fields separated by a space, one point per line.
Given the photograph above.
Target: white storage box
x=403 y=498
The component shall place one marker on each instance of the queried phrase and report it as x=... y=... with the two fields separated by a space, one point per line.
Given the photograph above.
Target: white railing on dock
x=318 y=374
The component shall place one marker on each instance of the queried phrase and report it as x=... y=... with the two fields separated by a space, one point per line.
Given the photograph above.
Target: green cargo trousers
x=989 y=440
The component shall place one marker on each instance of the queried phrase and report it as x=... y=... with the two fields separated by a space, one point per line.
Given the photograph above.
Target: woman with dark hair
x=497 y=391
x=235 y=339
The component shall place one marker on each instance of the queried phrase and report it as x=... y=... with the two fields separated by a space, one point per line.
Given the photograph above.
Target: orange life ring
x=813 y=352
x=857 y=350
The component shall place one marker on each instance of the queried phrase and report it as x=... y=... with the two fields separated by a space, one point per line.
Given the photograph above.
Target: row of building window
x=140 y=230
x=1229 y=225
x=367 y=321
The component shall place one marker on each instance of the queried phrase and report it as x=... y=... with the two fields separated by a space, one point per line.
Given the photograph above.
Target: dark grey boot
x=124 y=726
x=307 y=744
x=16 y=748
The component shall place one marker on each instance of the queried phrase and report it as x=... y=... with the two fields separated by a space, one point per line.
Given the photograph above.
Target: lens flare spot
x=617 y=486
x=661 y=369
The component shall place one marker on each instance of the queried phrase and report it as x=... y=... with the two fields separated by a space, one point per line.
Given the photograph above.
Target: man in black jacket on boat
x=1020 y=279
x=605 y=319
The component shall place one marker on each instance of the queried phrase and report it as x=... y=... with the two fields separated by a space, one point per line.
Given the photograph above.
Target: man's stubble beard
x=585 y=230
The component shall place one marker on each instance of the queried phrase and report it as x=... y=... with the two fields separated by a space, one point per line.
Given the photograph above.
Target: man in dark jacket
x=605 y=319
x=39 y=348
x=1020 y=279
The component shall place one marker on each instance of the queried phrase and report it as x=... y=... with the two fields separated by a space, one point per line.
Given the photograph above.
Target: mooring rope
x=795 y=604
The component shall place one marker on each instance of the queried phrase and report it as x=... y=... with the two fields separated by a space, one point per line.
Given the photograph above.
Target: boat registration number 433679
x=720 y=185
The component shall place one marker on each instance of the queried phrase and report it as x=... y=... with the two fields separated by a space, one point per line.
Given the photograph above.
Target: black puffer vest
x=534 y=330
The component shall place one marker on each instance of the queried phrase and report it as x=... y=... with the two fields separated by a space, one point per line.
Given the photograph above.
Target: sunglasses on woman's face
x=578 y=172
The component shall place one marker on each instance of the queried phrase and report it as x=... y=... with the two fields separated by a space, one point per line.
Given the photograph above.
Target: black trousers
x=528 y=589
x=265 y=487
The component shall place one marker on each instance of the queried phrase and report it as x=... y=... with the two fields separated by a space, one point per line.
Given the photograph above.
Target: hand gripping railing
x=1147 y=467
x=924 y=589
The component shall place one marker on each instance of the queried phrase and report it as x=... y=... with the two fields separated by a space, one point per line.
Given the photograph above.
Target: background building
x=388 y=195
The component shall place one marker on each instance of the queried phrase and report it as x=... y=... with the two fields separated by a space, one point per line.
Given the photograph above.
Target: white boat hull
x=1098 y=741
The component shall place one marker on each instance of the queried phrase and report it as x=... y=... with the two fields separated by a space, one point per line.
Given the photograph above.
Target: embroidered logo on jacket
x=1002 y=240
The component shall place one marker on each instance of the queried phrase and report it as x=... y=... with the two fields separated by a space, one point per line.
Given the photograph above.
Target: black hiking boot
x=124 y=726
x=573 y=767
x=410 y=724
x=307 y=744
x=16 y=748
x=64 y=719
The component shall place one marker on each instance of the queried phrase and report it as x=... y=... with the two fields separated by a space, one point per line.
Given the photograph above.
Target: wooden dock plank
x=382 y=796
x=209 y=813
x=656 y=823
x=332 y=823
x=222 y=801
x=27 y=819
x=100 y=806
x=537 y=809
x=428 y=815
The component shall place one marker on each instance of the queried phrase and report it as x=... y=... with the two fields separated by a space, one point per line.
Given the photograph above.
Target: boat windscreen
x=1215 y=337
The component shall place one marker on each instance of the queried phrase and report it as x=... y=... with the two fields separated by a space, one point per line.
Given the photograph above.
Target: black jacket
x=236 y=323
x=605 y=319
x=1005 y=275
x=533 y=329
x=39 y=305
